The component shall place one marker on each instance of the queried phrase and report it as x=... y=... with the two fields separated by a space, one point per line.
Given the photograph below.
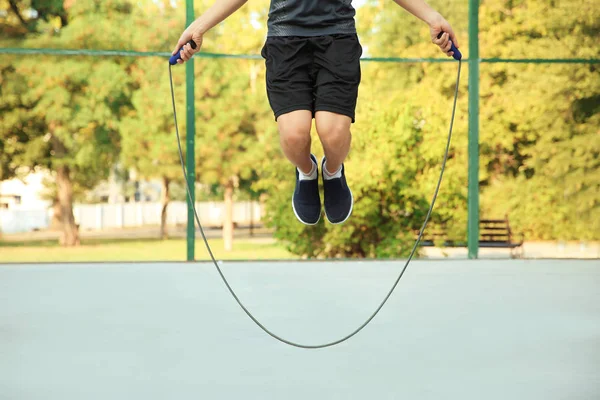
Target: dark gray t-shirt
x=311 y=17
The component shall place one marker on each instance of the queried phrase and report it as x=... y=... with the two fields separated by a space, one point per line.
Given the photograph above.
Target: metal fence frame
x=473 y=62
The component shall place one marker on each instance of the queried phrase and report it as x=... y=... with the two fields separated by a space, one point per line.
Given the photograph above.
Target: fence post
x=98 y=216
x=473 y=196
x=140 y=213
x=119 y=211
x=190 y=141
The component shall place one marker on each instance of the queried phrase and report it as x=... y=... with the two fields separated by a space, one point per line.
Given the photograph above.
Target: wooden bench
x=496 y=233
x=493 y=233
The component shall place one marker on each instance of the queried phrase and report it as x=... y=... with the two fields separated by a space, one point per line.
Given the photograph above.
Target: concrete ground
x=454 y=329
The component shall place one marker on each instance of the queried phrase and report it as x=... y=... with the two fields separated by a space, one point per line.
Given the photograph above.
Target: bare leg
x=294 y=136
x=334 y=132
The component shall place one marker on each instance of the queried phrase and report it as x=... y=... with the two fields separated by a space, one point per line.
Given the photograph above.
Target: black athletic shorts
x=319 y=73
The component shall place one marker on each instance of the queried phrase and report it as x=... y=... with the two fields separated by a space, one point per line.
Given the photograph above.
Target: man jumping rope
x=312 y=55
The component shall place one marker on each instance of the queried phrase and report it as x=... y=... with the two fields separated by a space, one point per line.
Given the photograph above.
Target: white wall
x=121 y=215
x=30 y=189
x=18 y=220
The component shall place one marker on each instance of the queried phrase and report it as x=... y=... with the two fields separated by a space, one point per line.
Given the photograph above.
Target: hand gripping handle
x=173 y=59
x=457 y=55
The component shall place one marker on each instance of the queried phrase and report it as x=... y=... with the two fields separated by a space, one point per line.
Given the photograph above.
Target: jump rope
x=173 y=61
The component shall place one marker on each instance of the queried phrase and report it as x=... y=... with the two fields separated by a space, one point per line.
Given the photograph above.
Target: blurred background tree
x=540 y=141
x=76 y=117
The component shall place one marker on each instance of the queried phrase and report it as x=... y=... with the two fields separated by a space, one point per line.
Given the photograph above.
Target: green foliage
x=76 y=108
x=539 y=132
x=539 y=123
x=392 y=170
x=395 y=160
x=148 y=140
x=63 y=114
x=21 y=18
x=14 y=143
x=231 y=113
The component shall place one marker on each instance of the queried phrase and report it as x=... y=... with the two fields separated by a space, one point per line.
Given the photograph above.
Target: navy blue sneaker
x=306 y=201
x=338 y=197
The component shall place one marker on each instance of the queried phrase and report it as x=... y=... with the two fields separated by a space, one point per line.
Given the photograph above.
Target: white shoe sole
x=298 y=217
x=349 y=214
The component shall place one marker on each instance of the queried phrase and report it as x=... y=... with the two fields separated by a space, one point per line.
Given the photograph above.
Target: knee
x=295 y=137
x=335 y=135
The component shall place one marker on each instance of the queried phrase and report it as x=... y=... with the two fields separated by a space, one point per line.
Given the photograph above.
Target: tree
x=148 y=131
x=148 y=142
x=538 y=137
x=12 y=144
x=78 y=104
x=398 y=142
x=539 y=149
x=392 y=171
x=228 y=115
x=228 y=142
x=18 y=21
x=68 y=111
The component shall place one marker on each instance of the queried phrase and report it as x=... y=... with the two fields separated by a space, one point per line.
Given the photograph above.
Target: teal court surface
x=454 y=329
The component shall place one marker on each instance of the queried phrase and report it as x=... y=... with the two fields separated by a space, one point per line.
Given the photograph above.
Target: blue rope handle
x=173 y=60
x=457 y=55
